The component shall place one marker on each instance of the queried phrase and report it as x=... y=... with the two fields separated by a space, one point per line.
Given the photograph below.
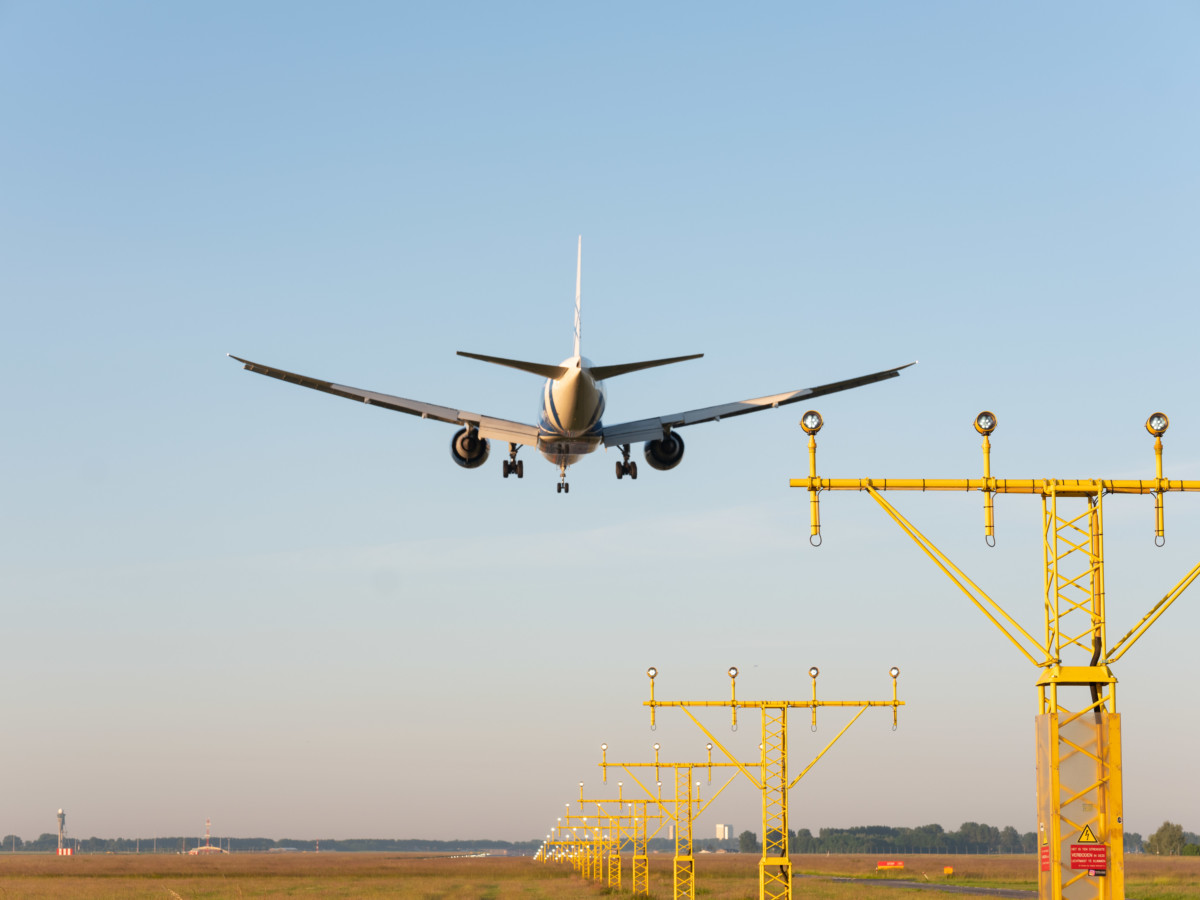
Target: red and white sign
x=66 y=851
x=1045 y=858
x=889 y=864
x=1093 y=857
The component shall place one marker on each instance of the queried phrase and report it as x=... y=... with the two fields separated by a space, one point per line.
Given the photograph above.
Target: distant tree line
x=971 y=838
x=1172 y=840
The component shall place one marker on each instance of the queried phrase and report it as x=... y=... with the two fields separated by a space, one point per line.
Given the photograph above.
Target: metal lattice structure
x=1078 y=727
x=687 y=805
x=775 y=868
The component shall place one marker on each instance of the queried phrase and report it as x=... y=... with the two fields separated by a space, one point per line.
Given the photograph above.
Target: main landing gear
x=512 y=465
x=625 y=467
x=563 y=487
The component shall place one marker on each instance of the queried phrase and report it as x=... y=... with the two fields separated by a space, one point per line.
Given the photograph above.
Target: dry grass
x=363 y=876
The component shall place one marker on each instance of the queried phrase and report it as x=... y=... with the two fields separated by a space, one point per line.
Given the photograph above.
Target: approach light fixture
x=985 y=422
x=604 y=746
x=733 y=671
x=709 y=747
x=813 y=672
x=652 y=672
x=1157 y=424
x=894 y=672
x=811 y=422
x=656 y=746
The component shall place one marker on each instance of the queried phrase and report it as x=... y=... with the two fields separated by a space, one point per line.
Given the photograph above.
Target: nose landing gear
x=625 y=467
x=563 y=487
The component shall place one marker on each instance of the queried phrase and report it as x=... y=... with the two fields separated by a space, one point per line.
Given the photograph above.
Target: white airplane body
x=573 y=402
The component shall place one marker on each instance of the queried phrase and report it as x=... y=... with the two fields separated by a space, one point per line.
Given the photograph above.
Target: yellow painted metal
x=686 y=807
x=771 y=778
x=1079 y=784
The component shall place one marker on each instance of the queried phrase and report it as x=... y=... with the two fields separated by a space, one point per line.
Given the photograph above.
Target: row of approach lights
x=985 y=423
x=813 y=672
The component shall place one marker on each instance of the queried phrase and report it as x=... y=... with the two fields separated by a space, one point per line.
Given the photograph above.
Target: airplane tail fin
x=602 y=372
x=578 y=275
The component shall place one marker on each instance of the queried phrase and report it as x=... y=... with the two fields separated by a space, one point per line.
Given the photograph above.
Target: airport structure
x=63 y=849
x=724 y=832
x=1079 y=796
x=681 y=812
x=772 y=780
x=207 y=847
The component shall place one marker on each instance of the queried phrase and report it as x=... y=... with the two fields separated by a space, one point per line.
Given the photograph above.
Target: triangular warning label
x=1087 y=837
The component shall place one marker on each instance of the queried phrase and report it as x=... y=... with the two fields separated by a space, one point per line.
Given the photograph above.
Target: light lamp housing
x=811 y=422
x=1157 y=424
x=985 y=422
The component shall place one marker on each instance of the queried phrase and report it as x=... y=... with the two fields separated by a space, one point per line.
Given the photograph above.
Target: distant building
x=206 y=848
x=724 y=832
x=670 y=832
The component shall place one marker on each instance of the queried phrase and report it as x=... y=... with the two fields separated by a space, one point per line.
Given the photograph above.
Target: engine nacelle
x=468 y=449
x=665 y=454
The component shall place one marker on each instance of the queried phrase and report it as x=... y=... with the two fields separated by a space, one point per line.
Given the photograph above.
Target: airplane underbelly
x=566 y=451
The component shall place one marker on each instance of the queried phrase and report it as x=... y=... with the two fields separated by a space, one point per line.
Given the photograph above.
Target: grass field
x=375 y=875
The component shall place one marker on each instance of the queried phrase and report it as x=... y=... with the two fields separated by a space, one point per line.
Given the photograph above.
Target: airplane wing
x=653 y=429
x=489 y=427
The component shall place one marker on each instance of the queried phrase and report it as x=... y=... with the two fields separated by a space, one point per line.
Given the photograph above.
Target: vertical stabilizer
x=578 y=274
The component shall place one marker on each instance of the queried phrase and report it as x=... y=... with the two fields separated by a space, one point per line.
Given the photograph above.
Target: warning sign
x=1087 y=837
x=1093 y=857
x=1045 y=858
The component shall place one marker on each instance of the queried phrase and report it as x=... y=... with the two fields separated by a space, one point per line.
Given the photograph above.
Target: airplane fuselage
x=572 y=405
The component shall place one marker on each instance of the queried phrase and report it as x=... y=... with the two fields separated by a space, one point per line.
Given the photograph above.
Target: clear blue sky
x=227 y=597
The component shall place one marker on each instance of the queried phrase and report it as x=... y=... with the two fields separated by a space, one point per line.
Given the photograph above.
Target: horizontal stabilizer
x=536 y=368
x=602 y=372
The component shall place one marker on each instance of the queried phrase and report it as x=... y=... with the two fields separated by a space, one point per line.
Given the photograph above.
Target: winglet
x=578 y=278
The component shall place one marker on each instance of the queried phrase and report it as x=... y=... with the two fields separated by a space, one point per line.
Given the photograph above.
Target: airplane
x=574 y=399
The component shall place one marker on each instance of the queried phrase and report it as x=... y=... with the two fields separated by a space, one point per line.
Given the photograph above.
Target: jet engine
x=665 y=454
x=468 y=449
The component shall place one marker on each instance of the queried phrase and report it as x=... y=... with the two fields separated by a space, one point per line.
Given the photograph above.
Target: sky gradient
x=228 y=597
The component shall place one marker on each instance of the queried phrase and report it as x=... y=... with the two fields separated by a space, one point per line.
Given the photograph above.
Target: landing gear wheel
x=506 y=468
x=631 y=468
x=566 y=488
x=560 y=487
x=620 y=471
x=520 y=468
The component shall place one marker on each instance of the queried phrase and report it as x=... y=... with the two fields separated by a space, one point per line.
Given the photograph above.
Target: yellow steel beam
x=1067 y=487
x=978 y=597
x=1117 y=651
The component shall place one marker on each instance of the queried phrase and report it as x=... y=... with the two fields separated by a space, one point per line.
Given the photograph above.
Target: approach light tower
x=62 y=832
x=687 y=806
x=1078 y=747
x=775 y=868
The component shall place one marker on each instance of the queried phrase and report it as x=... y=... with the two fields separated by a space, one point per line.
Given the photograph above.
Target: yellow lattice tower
x=775 y=867
x=1078 y=734
x=629 y=820
x=687 y=805
x=588 y=842
x=620 y=816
